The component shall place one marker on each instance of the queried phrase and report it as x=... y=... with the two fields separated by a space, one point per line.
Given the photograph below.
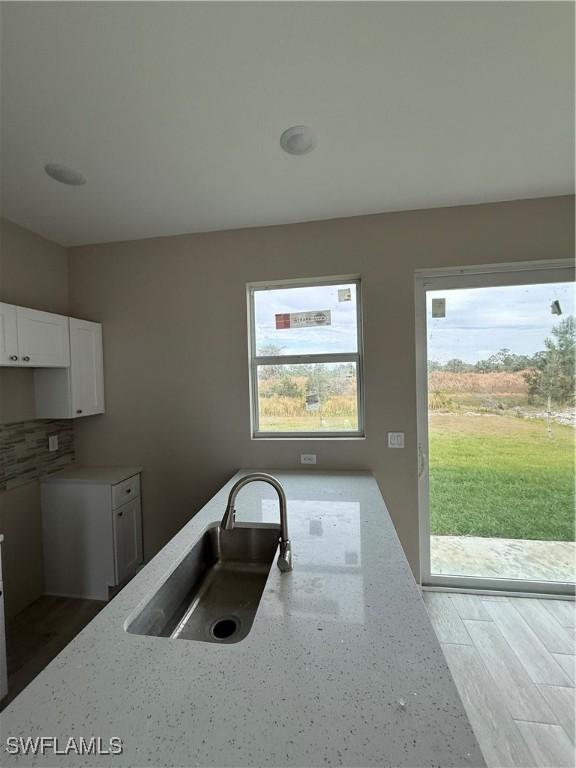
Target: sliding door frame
x=481 y=276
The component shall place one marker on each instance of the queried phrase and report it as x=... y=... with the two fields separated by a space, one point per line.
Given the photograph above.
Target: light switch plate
x=52 y=443
x=395 y=439
x=307 y=458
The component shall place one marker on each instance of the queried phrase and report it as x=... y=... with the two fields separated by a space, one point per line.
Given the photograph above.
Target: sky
x=340 y=336
x=478 y=321
x=481 y=321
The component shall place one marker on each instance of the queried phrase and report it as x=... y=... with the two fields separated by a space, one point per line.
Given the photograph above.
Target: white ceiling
x=174 y=111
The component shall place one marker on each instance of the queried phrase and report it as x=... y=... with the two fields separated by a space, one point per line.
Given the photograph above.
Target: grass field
x=309 y=423
x=501 y=476
x=493 y=472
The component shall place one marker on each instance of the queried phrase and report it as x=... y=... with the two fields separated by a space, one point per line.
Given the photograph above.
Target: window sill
x=307 y=438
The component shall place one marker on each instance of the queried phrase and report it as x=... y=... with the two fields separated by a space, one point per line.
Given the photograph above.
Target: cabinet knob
x=79 y=410
x=120 y=514
x=13 y=357
x=26 y=358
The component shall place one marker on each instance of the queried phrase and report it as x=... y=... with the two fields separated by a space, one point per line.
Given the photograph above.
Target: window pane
x=320 y=397
x=315 y=319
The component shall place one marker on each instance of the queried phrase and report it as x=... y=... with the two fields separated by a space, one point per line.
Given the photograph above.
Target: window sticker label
x=438 y=307
x=344 y=294
x=312 y=402
x=303 y=319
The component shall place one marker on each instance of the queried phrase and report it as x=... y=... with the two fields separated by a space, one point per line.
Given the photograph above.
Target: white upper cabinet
x=8 y=335
x=32 y=338
x=66 y=354
x=43 y=339
x=68 y=393
x=86 y=367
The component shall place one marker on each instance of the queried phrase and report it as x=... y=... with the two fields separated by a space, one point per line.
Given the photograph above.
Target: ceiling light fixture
x=298 y=140
x=65 y=175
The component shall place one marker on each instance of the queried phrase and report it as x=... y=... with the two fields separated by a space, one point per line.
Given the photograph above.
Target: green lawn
x=501 y=476
x=310 y=423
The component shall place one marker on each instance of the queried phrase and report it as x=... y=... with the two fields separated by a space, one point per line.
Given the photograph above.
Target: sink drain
x=225 y=628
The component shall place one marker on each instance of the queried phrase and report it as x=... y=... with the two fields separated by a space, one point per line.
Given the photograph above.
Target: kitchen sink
x=214 y=592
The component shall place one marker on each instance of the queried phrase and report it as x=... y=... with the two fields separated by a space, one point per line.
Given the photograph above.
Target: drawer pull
x=26 y=358
x=13 y=357
x=125 y=492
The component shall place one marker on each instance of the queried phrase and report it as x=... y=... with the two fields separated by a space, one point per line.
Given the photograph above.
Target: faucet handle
x=285 y=556
x=229 y=518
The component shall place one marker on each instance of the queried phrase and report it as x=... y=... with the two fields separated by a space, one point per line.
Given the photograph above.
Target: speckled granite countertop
x=341 y=666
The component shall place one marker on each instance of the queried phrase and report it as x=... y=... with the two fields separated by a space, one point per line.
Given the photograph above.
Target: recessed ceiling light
x=65 y=175
x=298 y=140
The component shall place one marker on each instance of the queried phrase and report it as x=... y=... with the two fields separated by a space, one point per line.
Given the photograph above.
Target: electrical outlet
x=395 y=439
x=307 y=458
x=52 y=443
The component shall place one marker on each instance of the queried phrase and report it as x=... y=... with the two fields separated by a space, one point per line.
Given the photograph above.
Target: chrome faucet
x=285 y=556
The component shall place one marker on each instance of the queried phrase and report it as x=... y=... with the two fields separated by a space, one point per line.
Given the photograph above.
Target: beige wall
x=174 y=315
x=33 y=273
x=175 y=347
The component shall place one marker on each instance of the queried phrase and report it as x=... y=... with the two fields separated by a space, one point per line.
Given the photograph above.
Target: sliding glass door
x=496 y=428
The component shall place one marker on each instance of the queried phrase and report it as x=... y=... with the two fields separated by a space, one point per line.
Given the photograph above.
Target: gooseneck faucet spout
x=285 y=556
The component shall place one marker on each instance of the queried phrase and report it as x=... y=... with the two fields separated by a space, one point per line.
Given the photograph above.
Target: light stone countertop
x=92 y=475
x=336 y=647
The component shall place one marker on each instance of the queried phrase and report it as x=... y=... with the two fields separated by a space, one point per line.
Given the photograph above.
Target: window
x=306 y=359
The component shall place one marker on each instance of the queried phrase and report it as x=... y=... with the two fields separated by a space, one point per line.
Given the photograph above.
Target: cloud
x=340 y=336
x=480 y=321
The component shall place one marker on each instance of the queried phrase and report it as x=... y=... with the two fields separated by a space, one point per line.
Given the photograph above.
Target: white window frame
x=445 y=278
x=353 y=357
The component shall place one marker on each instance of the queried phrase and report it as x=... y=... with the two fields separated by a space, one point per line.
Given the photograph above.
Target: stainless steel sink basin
x=214 y=593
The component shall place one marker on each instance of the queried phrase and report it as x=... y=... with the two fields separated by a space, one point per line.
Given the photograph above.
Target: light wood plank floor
x=37 y=635
x=512 y=659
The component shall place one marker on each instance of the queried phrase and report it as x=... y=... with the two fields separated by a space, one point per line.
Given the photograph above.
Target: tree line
x=549 y=373
x=304 y=379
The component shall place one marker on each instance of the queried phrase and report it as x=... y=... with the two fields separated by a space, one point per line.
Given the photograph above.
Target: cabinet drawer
x=125 y=491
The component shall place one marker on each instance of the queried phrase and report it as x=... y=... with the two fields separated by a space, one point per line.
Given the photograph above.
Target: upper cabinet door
x=8 y=335
x=43 y=339
x=87 y=371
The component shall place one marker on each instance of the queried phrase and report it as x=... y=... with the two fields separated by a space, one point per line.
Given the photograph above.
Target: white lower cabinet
x=92 y=530
x=127 y=539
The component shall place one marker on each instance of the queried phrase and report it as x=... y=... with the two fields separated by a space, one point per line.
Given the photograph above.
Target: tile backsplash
x=24 y=454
